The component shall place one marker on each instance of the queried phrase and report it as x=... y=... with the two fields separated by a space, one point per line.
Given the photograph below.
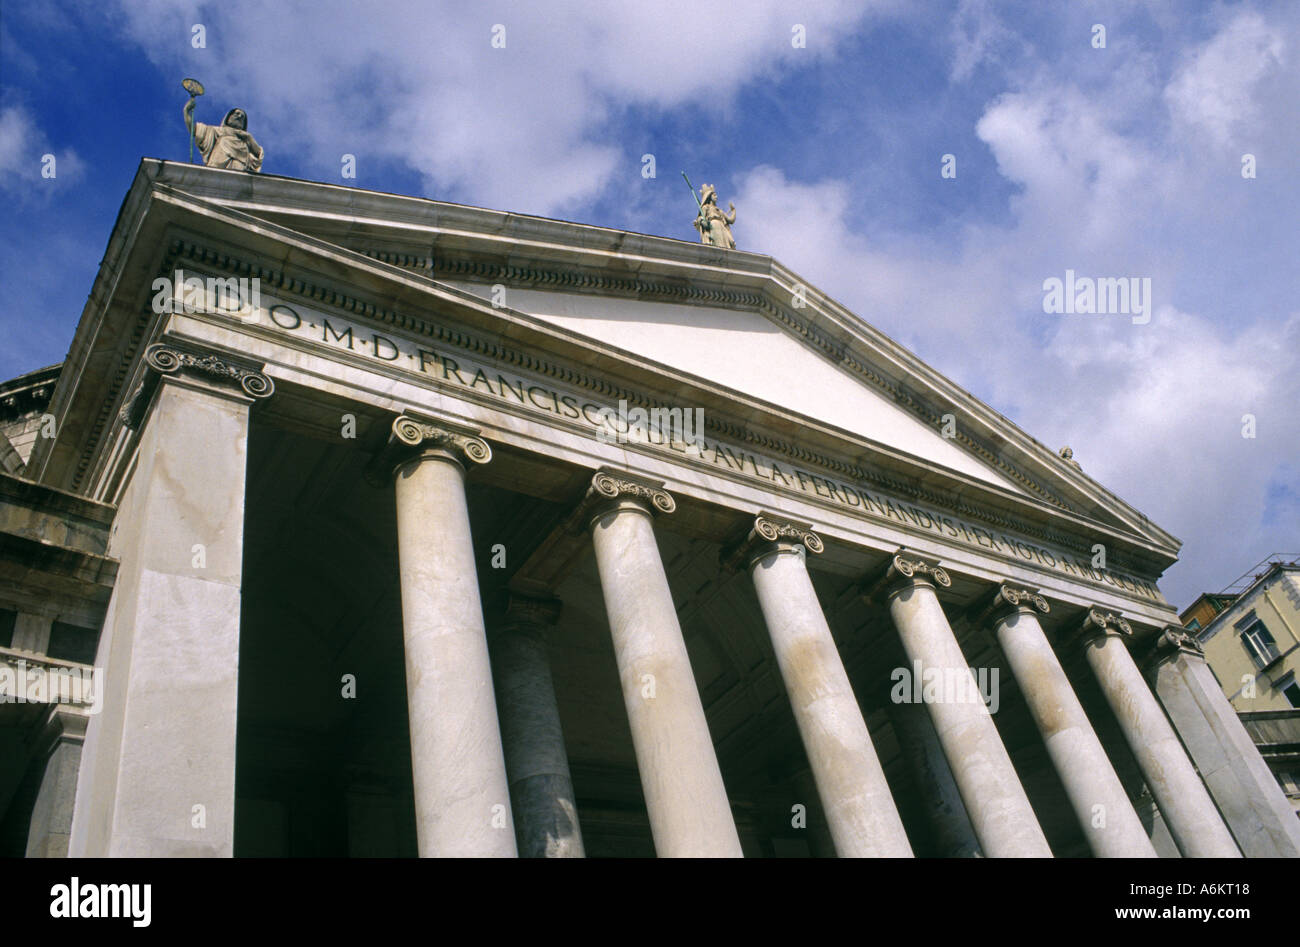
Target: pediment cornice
x=929 y=488
x=838 y=351
x=302 y=259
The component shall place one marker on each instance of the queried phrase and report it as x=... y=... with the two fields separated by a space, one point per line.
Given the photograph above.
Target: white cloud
x=977 y=36
x=1166 y=416
x=1153 y=412
x=522 y=127
x=1107 y=155
x=15 y=132
x=25 y=153
x=1214 y=90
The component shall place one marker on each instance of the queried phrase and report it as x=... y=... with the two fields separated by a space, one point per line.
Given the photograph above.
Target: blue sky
x=1117 y=161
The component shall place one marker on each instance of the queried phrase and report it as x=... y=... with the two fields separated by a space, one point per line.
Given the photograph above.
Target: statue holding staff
x=714 y=226
x=228 y=145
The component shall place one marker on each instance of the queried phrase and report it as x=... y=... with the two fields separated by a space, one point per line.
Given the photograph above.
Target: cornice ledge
x=306 y=290
x=839 y=352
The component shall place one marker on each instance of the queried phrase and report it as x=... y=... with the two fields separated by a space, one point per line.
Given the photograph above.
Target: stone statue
x=1067 y=455
x=715 y=226
x=228 y=145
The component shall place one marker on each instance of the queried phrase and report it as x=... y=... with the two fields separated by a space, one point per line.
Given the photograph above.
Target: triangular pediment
x=748 y=353
x=731 y=329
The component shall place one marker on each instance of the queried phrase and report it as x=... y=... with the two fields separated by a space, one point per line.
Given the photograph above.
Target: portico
x=471 y=605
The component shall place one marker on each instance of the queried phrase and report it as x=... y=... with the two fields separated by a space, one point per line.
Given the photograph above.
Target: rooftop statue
x=714 y=226
x=228 y=145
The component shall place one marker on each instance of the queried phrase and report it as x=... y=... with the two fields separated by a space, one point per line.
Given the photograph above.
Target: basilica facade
x=358 y=524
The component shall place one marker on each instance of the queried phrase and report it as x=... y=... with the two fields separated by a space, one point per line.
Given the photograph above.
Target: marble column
x=1184 y=804
x=537 y=764
x=941 y=800
x=685 y=797
x=158 y=765
x=63 y=734
x=995 y=801
x=1245 y=789
x=462 y=799
x=859 y=807
x=1109 y=822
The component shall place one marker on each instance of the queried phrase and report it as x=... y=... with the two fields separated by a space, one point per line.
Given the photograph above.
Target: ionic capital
x=169 y=358
x=412 y=437
x=1010 y=598
x=419 y=435
x=770 y=533
x=1098 y=623
x=907 y=569
x=614 y=489
x=1172 y=641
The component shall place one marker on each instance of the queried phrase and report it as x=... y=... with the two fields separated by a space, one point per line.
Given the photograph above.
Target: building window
x=1290 y=690
x=1259 y=643
x=1194 y=625
x=7 y=621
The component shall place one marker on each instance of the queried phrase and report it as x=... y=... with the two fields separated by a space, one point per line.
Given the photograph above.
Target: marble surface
x=1185 y=804
x=687 y=802
x=996 y=802
x=164 y=743
x=1105 y=814
x=1258 y=814
x=537 y=765
x=859 y=807
x=462 y=798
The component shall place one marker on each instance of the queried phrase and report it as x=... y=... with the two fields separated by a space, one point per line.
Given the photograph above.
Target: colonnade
x=490 y=765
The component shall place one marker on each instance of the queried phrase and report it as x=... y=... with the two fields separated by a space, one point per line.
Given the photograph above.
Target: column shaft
x=850 y=781
x=462 y=801
x=999 y=810
x=537 y=765
x=953 y=835
x=1253 y=805
x=32 y=632
x=804 y=787
x=1187 y=808
x=685 y=797
x=1106 y=815
x=51 y=823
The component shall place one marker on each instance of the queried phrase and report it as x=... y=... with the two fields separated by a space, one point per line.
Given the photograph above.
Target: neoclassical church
x=356 y=524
